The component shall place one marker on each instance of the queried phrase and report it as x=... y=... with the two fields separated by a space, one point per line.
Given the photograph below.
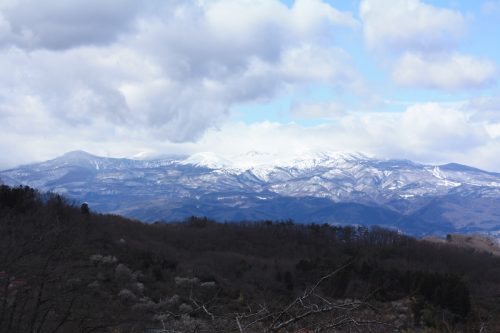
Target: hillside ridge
x=416 y=198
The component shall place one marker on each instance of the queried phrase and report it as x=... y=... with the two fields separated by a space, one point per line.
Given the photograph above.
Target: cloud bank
x=425 y=132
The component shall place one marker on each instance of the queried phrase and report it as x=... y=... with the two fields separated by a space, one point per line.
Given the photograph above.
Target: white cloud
x=403 y=25
x=420 y=42
x=429 y=133
x=442 y=129
x=123 y=78
x=311 y=14
x=169 y=69
x=449 y=72
x=424 y=132
x=319 y=110
x=327 y=65
x=245 y=22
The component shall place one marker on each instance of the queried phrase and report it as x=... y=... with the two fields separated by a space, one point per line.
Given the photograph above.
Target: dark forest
x=64 y=268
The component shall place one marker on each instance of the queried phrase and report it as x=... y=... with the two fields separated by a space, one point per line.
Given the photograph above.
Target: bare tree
x=310 y=312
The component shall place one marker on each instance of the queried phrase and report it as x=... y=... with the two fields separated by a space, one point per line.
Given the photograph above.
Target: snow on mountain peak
x=77 y=157
x=80 y=158
x=332 y=158
x=76 y=154
x=207 y=160
x=264 y=160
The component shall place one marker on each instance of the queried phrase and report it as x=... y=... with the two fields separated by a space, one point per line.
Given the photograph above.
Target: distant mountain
x=328 y=187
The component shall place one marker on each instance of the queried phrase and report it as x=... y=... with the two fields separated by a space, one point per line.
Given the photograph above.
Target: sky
x=405 y=79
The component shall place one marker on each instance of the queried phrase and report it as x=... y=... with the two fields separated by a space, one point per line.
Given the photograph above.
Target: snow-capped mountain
x=332 y=187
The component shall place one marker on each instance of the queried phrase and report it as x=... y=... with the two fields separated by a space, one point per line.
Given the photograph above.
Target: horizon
x=235 y=162
x=400 y=79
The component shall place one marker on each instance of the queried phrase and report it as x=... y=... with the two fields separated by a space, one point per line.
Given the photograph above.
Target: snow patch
x=208 y=160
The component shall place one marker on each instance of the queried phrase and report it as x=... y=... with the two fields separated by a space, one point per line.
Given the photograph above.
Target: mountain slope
x=69 y=270
x=321 y=188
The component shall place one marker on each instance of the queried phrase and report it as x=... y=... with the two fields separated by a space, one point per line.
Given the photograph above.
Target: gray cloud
x=410 y=25
x=319 y=110
x=166 y=69
x=59 y=24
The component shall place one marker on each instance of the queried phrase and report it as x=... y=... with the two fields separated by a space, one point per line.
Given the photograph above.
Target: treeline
x=66 y=269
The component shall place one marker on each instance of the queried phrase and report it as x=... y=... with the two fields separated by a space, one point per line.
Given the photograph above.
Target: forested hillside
x=65 y=269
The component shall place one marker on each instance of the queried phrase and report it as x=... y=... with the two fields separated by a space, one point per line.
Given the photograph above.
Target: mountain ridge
x=445 y=197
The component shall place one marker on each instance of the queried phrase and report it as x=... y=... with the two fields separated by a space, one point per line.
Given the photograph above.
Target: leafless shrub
x=123 y=273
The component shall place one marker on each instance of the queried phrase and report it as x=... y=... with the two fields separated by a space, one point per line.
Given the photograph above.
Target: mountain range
x=328 y=187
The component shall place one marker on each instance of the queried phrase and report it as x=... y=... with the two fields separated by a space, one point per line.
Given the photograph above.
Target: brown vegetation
x=65 y=269
x=473 y=242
